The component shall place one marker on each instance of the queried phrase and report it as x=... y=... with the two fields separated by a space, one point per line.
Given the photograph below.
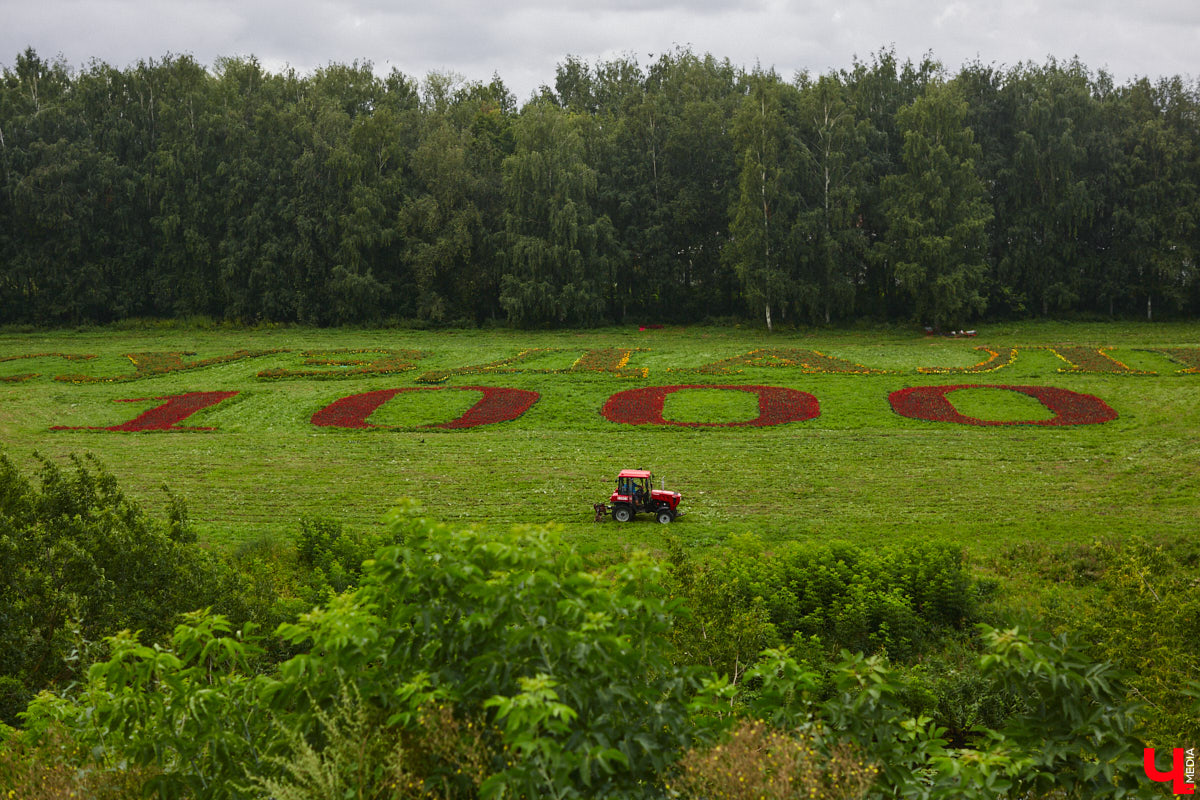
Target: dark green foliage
x=497 y=666
x=682 y=191
x=937 y=212
x=14 y=696
x=556 y=249
x=449 y=219
x=1134 y=602
x=947 y=685
x=470 y=618
x=831 y=241
x=667 y=169
x=80 y=561
x=331 y=558
x=900 y=601
x=763 y=208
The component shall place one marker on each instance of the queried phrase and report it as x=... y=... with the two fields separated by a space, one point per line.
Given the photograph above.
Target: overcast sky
x=523 y=40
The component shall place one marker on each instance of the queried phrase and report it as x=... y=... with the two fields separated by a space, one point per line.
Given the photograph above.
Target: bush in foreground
x=80 y=561
x=499 y=666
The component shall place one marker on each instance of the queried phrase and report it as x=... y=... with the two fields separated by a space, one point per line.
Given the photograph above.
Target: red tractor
x=635 y=492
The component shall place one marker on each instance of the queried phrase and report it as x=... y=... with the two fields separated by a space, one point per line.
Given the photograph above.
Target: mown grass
x=859 y=471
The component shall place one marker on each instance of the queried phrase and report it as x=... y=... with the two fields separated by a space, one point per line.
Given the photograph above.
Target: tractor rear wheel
x=665 y=515
x=622 y=513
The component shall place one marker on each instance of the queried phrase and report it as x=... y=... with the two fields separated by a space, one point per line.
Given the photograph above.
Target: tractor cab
x=635 y=492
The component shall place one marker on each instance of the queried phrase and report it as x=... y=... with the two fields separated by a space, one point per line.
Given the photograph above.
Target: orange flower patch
x=1091 y=359
x=1189 y=357
x=603 y=361
x=998 y=357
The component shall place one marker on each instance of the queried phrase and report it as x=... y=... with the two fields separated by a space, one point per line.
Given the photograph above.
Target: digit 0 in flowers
x=776 y=406
x=932 y=403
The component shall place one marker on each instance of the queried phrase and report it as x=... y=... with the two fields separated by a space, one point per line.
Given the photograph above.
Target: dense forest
x=683 y=191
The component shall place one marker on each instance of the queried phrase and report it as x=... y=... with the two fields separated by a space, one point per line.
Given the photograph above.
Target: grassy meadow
x=858 y=472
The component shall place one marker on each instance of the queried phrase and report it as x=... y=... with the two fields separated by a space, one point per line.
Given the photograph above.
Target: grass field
x=859 y=471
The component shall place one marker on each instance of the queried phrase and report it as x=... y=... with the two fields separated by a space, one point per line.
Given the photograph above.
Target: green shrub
x=569 y=666
x=332 y=556
x=516 y=623
x=53 y=767
x=80 y=561
x=192 y=714
x=1076 y=737
x=745 y=597
x=1144 y=619
x=1080 y=734
x=497 y=665
x=722 y=629
x=1134 y=602
x=948 y=686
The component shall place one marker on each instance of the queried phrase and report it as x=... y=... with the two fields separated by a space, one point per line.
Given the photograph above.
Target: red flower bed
x=497 y=405
x=776 y=405
x=352 y=411
x=162 y=418
x=1070 y=408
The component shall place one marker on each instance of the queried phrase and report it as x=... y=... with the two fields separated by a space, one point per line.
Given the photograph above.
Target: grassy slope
x=858 y=472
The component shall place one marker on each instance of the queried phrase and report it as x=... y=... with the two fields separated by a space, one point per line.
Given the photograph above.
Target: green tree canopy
x=938 y=212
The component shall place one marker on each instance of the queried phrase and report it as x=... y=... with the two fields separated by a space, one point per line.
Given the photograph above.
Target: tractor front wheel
x=665 y=515
x=622 y=513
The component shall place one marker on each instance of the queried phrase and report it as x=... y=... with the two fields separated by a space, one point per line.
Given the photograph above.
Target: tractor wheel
x=665 y=515
x=622 y=513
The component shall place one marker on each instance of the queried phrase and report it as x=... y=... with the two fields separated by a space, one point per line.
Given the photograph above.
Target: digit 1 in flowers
x=164 y=417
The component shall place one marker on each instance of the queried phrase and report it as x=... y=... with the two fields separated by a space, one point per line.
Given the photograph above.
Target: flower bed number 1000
x=643 y=406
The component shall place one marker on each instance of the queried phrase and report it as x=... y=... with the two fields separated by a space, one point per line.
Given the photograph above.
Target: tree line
x=683 y=191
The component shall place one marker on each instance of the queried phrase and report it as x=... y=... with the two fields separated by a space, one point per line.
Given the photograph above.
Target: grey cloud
x=523 y=40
